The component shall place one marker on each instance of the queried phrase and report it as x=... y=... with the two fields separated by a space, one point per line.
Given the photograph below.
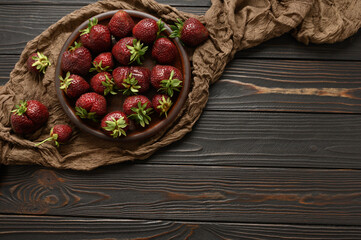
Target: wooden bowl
x=115 y=102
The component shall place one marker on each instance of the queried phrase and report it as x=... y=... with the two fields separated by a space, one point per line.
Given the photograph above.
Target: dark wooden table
x=275 y=155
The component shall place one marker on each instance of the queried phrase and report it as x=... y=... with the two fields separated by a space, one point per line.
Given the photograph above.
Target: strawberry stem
x=41 y=62
x=65 y=82
x=164 y=105
x=109 y=86
x=177 y=28
x=131 y=86
x=141 y=114
x=98 y=67
x=53 y=137
x=170 y=85
x=21 y=108
x=137 y=52
x=92 y=23
x=82 y=113
x=116 y=127
x=161 y=27
x=76 y=45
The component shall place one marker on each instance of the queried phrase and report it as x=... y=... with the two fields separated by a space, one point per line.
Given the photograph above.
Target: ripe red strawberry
x=29 y=116
x=138 y=108
x=166 y=79
x=103 y=62
x=121 y=24
x=191 y=32
x=96 y=37
x=161 y=104
x=60 y=133
x=90 y=106
x=128 y=50
x=115 y=124
x=147 y=30
x=73 y=85
x=132 y=80
x=164 y=51
x=37 y=63
x=103 y=83
x=76 y=60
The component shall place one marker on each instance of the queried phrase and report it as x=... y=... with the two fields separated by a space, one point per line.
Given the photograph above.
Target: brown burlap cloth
x=233 y=25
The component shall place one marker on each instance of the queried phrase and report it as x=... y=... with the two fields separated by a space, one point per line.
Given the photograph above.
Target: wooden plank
x=269 y=140
x=186 y=193
x=276 y=85
x=17 y=29
x=287 y=47
x=288 y=85
x=36 y=18
x=56 y=228
x=202 y=3
x=7 y=63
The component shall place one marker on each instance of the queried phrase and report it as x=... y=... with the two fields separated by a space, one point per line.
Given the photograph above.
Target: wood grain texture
x=199 y=3
x=269 y=140
x=188 y=193
x=287 y=47
x=288 y=85
x=7 y=63
x=56 y=228
x=36 y=18
x=276 y=85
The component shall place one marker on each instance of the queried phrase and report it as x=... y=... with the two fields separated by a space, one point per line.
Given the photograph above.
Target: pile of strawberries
x=108 y=60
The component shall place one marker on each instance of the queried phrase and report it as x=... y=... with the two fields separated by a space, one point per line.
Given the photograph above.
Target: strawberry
x=166 y=79
x=161 y=104
x=60 y=133
x=37 y=63
x=128 y=50
x=191 y=32
x=103 y=62
x=132 y=80
x=90 y=106
x=164 y=51
x=121 y=24
x=138 y=108
x=103 y=83
x=29 y=116
x=73 y=85
x=96 y=37
x=115 y=124
x=76 y=60
x=147 y=30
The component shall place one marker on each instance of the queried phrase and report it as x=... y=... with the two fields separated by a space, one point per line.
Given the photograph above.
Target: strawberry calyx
x=137 y=52
x=109 y=86
x=98 y=67
x=116 y=127
x=170 y=85
x=21 y=108
x=141 y=114
x=176 y=28
x=65 y=82
x=83 y=113
x=41 y=62
x=92 y=23
x=53 y=137
x=161 y=27
x=131 y=86
x=164 y=106
x=76 y=46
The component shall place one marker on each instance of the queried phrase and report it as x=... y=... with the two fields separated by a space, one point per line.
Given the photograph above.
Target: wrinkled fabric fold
x=233 y=25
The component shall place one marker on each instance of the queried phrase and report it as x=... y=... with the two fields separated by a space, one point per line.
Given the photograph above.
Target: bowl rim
x=147 y=133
